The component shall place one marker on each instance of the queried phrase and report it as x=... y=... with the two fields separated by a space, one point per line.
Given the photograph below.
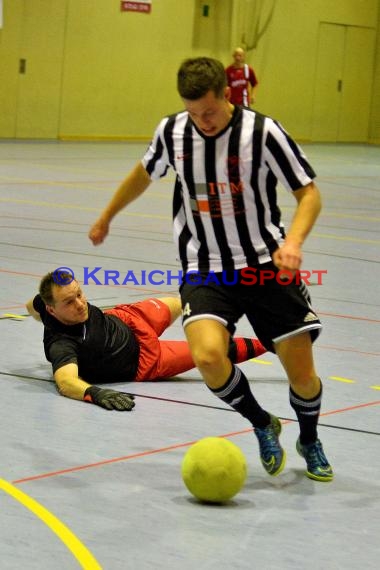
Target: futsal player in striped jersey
x=228 y=162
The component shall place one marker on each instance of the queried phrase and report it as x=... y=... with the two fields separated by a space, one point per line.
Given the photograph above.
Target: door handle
x=22 y=66
x=340 y=85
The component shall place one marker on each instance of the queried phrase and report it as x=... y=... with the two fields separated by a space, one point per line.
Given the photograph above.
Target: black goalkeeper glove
x=109 y=399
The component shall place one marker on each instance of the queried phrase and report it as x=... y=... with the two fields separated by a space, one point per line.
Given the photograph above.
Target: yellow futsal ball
x=214 y=469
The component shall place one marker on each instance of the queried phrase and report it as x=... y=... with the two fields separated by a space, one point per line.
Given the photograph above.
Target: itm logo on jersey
x=218 y=198
x=223 y=188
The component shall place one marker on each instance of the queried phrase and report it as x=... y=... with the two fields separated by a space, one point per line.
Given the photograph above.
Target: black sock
x=237 y=394
x=307 y=413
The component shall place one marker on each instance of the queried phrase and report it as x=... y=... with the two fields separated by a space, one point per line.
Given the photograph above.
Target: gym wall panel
x=119 y=69
x=286 y=57
x=374 y=133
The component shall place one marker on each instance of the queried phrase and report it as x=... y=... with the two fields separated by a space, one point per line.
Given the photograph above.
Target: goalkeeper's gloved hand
x=109 y=399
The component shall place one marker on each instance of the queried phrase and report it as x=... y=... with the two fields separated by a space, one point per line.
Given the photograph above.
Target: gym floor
x=84 y=487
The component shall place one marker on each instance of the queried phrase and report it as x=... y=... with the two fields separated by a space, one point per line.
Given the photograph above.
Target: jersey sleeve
x=285 y=158
x=156 y=159
x=62 y=351
x=39 y=306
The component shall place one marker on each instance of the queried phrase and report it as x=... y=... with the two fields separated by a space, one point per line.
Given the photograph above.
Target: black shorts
x=275 y=310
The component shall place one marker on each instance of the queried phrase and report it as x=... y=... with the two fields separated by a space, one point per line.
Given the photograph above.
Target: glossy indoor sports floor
x=85 y=487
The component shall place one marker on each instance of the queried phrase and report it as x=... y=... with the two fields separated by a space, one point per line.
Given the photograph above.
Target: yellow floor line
x=258 y=361
x=375 y=387
x=80 y=208
x=345 y=238
x=340 y=379
x=70 y=206
x=83 y=556
x=12 y=316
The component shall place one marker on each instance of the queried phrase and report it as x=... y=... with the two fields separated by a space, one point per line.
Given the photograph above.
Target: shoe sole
x=318 y=478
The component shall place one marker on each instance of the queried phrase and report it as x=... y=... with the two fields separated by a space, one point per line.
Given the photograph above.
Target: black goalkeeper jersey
x=104 y=348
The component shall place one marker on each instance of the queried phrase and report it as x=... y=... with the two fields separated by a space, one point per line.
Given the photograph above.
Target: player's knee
x=208 y=358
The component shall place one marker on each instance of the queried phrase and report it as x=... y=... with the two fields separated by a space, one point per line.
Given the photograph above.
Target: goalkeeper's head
x=63 y=297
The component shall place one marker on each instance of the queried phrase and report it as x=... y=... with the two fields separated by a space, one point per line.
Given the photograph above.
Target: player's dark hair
x=199 y=75
x=51 y=279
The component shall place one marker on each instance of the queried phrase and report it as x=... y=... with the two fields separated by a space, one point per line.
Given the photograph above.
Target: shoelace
x=315 y=455
x=268 y=440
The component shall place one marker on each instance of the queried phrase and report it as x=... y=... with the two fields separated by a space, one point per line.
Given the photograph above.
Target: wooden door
x=357 y=84
x=343 y=83
x=40 y=69
x=328 y=83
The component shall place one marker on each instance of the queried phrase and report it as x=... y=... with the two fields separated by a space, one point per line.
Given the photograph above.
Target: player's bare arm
x=129 y=190
x=69 y=384
x=289 y=256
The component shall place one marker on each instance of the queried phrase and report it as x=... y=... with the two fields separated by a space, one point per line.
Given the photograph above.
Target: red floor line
x=366 y=319
x=105 y=462
x=164 y=449
x=375 y=403
x=9 y=272
x=352 y=350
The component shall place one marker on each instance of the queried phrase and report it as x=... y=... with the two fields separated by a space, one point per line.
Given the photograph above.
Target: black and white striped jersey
x=225 y=209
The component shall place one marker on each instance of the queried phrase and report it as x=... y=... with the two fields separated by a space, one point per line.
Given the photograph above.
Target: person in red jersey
x=241 y=79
